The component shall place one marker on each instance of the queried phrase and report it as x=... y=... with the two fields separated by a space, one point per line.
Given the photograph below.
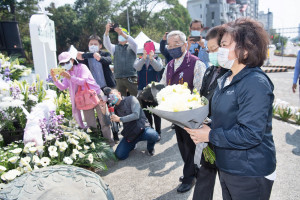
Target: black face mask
x=176 y=52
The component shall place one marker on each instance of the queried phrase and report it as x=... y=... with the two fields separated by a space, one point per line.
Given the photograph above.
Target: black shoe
x=184 y=187
x=181 y=178
x=173 y=126
x=151 y=153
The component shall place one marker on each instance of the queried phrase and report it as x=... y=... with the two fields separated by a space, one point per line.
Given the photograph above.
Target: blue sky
x=286 y=13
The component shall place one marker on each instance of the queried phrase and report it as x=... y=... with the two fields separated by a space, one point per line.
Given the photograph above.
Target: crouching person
x=136 y=127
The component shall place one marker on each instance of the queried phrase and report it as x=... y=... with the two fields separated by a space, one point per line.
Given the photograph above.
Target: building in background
x=266 y=19
x=217 y=12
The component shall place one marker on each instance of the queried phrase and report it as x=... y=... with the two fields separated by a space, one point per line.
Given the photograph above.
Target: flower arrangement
x=61 y=145
x=285 y=112
x=176 y=98
x=12 y=70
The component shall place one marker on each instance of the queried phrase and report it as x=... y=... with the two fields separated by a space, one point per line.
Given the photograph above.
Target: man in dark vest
x=124 y=57
x=184 y=67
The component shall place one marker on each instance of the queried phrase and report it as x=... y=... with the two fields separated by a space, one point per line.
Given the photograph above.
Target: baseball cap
x=64 y=57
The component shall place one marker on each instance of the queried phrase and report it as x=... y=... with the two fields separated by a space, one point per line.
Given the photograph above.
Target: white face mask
x=223 y=60
x=93 y=48
x=68 y=66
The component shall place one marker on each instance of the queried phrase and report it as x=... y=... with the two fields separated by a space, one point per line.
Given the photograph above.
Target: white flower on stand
x=36 y=160
x=68 y=160
x=45 y=161
x=63 y=146
x=32 y=150
x=53 y=154
x=52 y=148
x=91 y=158
x=16 y=151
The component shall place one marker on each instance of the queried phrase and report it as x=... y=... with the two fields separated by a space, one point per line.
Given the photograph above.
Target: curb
x=280 y=66
x=275 y=70
x=276 y=116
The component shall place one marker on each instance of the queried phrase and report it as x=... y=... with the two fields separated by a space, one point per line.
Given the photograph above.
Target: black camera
x=113 y=26
x=87 y=55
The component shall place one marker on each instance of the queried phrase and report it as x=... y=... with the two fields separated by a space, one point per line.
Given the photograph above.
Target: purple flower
x=7 y=72
x=49 y=79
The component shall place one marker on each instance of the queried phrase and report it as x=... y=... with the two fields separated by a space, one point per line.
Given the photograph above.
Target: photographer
x=196 y=45
x=98 y=62
x=136 y=127
x=124 y=57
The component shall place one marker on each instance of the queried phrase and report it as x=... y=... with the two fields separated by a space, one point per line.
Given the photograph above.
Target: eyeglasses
x=174 y=46
x=63 y=64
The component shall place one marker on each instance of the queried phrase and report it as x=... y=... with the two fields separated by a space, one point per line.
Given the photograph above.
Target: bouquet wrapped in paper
x=178 y=105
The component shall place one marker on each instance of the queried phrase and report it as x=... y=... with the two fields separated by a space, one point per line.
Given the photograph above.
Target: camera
x=196 y=38
x=113 y=26
x=87 y=55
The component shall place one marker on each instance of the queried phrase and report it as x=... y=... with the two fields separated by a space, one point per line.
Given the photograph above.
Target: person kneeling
x=136 y=127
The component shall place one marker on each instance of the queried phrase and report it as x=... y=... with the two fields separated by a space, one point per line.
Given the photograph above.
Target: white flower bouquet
x=178 y=105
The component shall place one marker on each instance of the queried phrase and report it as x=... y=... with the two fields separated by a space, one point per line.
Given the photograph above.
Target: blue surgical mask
x=121 y=38
x=113 y=99
x=68 y=66
x=213 y=58
x=195 y=33
x=93 y=48
x=176 y=52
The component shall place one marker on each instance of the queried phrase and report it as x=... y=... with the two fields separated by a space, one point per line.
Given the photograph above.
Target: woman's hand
x=65 y=74
x=115 y=118
x=200 y=134
x=294 y=87
x=53 y=75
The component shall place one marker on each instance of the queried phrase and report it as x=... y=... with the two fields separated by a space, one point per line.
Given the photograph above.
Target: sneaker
x=151 y=153
x=158 y=139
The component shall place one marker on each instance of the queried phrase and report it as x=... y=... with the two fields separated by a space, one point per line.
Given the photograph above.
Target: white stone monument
x=42 y=34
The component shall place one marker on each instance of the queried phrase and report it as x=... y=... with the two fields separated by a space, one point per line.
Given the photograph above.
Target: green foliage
x=285 y=114
x=63 y=104
x=209 y=155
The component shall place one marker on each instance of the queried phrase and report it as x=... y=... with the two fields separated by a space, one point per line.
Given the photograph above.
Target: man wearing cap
x=124 y=58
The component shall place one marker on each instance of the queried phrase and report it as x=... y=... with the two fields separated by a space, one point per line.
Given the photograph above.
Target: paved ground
x=141 y=177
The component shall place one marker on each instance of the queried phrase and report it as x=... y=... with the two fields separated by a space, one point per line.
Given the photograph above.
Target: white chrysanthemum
x=21 y=67
x=73 y=156
x=23 y=162
x=75 y=137
x=40 y=148
x=176 y=98
x=52 y=148
x=13 y=159
x=68 y=160
x=88 y=139
x=27 y=168
x=53 y=154
x=93 y=146
x=57 y=143
x=10 y=175
x=2 y=169
x=61 y=112
x=78 y=147
x=86 y=147
x=81 y=155
x=16 y=151
x=45 y=161
x=63 y=146
x=75 y=151
x=91 y=158
x=33 y=98
x=30 y=144
x=50 y=137
x=68 y=134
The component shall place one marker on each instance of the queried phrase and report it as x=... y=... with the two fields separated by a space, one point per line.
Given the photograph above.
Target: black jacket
x=208 y=90
x=105 y=61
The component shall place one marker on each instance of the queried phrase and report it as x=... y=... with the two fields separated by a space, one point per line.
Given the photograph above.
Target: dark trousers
x=157 y=119
x=187 y=151
x=204 y=188
x=245 y=187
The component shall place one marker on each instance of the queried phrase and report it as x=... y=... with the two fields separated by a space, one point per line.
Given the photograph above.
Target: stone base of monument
x=60 y=182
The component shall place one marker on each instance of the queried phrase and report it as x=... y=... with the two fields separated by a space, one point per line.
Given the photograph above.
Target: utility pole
x=128 y=25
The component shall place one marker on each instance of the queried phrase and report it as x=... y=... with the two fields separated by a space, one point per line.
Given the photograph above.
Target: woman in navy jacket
x=241 y=128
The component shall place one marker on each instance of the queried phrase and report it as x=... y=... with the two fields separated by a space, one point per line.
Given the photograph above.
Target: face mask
x=68 y=66
x=121 y=38
x=223 y=60
x=195 y=33
x=213 y=58
x=175 y=53
x=113 y=99
x=93 y=48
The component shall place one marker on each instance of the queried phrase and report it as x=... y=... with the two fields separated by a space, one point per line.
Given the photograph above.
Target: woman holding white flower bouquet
x=241 y=127
x=77 y=74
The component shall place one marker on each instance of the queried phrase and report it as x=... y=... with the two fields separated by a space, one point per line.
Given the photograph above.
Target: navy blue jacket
x=146 y=76
x=242 y=124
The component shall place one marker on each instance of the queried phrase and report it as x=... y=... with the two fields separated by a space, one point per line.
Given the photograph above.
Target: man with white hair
x=184 y=67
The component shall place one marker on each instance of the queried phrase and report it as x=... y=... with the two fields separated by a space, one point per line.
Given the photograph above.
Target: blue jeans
x=124 y=147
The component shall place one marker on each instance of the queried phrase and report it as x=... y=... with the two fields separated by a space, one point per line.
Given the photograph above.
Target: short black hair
x=95 y=37
x=196 y=21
